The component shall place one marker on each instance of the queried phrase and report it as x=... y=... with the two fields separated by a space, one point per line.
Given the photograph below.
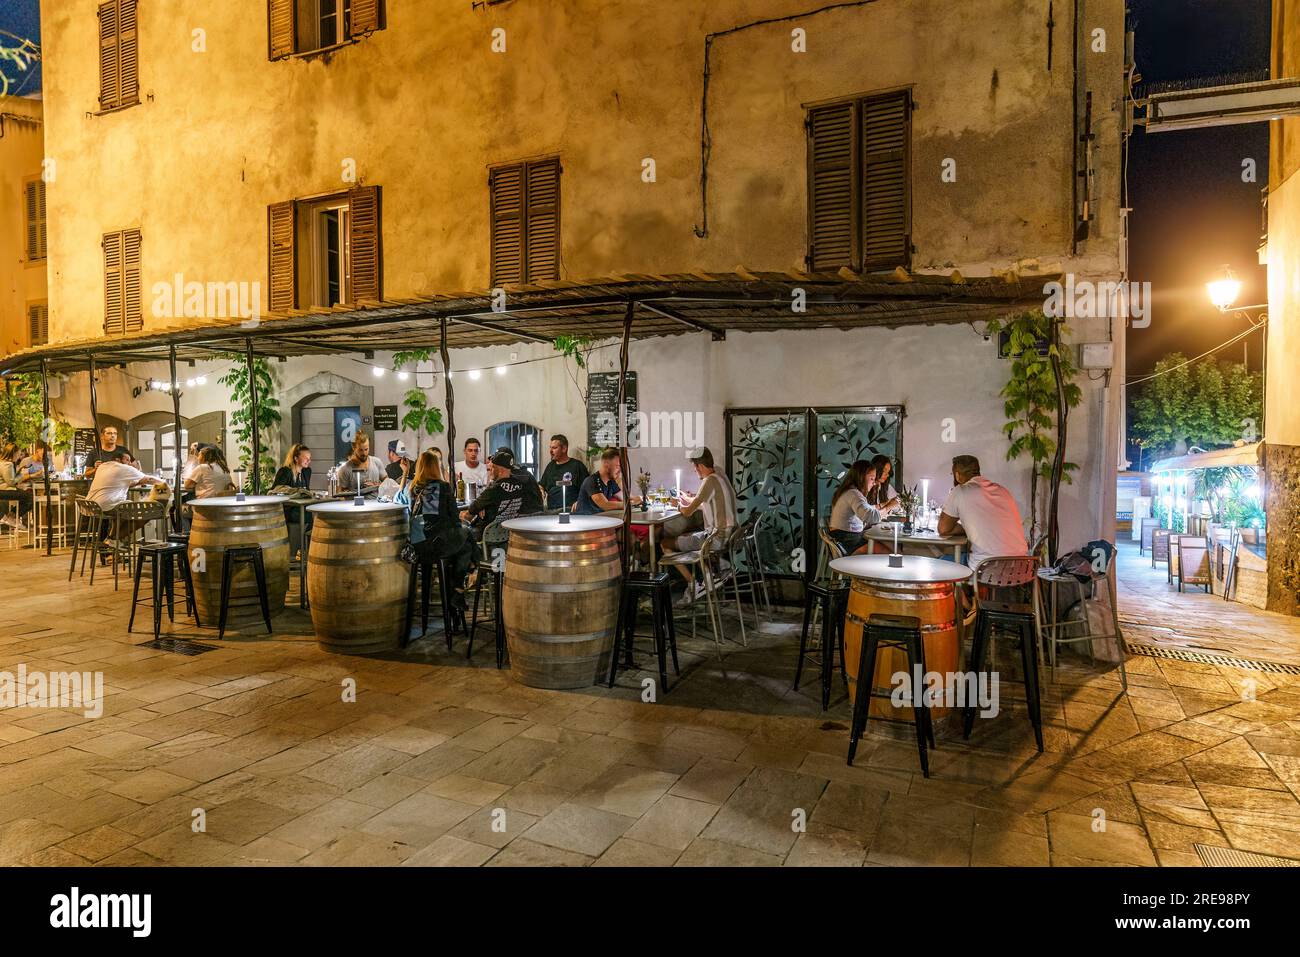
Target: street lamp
x=1224 y=290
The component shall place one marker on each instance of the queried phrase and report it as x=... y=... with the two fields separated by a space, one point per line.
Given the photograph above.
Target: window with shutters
x=38 y=323
x=122 y=303
x=325 y=251
x=310 y=26
x=859 y=183
x=119 y=61
x=34 y=217
x=525 y=211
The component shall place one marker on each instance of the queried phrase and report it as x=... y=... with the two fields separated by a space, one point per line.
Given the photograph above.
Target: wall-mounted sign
x=385 y=418
x=83 y=442
x=602 y=409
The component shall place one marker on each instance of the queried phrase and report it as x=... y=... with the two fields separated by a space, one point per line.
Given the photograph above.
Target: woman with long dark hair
x=851 y=510
x=883 y=495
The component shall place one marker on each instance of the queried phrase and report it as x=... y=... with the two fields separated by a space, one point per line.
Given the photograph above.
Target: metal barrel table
x=356 y=580
x=221 y=523
x=560 y=598
x=923 y=588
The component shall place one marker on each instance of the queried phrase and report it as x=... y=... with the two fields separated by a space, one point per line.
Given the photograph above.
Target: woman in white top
x=883 y=495
x=209 y=478
x=851 y=510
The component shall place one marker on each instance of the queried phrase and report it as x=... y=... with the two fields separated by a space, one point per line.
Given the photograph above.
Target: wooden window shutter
x=129 y=53
x=364 y=245
x=886 y=213
x=132 y=300
x=38 y=323
x=114 y=324
x=507 y=197
x=110 y=70
x=280 y=29
x=365 y=17
x=282 y=259
x=542 y=220
x=34 y=207
x=832 y=189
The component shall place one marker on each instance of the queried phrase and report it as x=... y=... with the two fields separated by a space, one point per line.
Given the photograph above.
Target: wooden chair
x=1194 y=563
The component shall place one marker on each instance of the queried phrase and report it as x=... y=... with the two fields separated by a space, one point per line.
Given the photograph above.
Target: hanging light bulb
x=474 y=374
x=201 y=380
x=189 y=383
x=501 y=370
x=378 y=371
x=403 y=376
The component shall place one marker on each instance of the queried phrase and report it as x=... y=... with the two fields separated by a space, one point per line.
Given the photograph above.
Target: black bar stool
x=453 y=618
x=658 y=587
x=832 y=596
x=162 y=558
x=187 y=578
x=994 y=616
x=85 y=541
x=891 y=631
x=487 y=571
x=243 y=555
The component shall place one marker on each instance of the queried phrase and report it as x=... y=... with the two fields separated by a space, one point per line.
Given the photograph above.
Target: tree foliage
x=1209 y=404
x=420 y=416
x=268 y=414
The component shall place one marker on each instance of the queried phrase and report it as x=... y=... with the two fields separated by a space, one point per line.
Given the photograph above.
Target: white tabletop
x=551 y=523
x=226 y=501
x=351 y=506
x=915 y=569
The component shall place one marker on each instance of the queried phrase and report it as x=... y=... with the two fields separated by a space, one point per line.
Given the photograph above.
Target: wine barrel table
x=923 y=588
x=560 y=598
x=221 y=523
x=356 y=580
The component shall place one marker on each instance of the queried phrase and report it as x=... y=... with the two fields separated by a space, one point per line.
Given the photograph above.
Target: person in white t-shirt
x=716 y=501
x=209 y=478
x=113 y=479
x=473 y=470
x=982 y=510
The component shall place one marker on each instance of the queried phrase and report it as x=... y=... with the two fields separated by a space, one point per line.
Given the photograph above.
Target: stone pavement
x=441 y=761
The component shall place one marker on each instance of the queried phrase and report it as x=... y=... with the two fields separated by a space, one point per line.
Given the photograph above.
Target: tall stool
x=831 y=597
x=85 y=540
x=453 y=619
x=1002 y=616
x=243 y=555
x=891 y=631
x=187 y=579
x=487 y=571
x=162 y=558
x=657 y=587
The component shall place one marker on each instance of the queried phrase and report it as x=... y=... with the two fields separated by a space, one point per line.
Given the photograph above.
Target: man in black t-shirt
x=560 y=467
x=513 y=492
x=108 y=450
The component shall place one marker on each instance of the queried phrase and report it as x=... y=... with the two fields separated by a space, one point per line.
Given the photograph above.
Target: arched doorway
x=325 y=412
x=151 y=436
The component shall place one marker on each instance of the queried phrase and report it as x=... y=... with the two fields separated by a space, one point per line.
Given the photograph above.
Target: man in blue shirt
x=600 y=492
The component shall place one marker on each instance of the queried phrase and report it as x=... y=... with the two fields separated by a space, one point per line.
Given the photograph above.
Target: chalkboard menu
x=602 y=409
x=83 y=442
x=385 y=418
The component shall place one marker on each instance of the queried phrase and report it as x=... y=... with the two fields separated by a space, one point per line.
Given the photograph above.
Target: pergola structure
x=625 y=307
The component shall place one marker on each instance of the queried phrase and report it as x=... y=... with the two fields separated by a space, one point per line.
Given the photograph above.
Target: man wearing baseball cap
x=399 y=463
x=513 y=492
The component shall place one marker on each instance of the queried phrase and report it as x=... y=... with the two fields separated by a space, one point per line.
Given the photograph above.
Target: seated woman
x=11 y=489
x=883 y=495
x=851 y=510
x=210 y=477
x=294 y=476
x=433 y=501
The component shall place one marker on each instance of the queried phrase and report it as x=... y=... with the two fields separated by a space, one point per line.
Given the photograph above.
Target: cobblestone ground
x=444 y=761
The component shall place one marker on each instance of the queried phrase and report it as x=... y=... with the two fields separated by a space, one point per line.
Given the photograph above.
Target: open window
x=310 y=26
x=325 y=251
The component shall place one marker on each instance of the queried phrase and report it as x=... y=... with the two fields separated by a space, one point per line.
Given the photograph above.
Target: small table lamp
x=564 y=483
x=239 y=483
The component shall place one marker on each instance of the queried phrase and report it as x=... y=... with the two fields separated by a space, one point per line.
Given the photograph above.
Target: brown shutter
x=542 y=220
x=832 y=233
x=110 y=73
x=364 y=244
x=132 y=310
x=280 y=28
x=113 y=321
x=34 y=207
x=365 y=17
x=128 y=53
x=886 y=226
x=507 y=198
x=38 y=323
x=282 y=258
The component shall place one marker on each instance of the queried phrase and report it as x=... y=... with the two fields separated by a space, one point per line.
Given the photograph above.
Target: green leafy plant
x=577 y=350
x=419 y=415
x=268 y=415
x=1031 y=400
x=908 y=500
x=21 y=410
x=1210 y=404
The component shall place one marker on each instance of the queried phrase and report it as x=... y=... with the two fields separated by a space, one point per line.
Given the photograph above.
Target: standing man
x=472 y=470
x=399 y=463
x=716 y=501
x=107 y=452
x=985 y=511
x=362 y=463
x=562 y=467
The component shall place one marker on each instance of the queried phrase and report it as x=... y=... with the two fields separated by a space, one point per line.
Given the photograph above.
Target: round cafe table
x=225 y=522
x=560 y=598
x=923 y=588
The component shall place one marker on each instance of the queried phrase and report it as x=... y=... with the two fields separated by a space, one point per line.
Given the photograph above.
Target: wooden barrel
x=560 y=600
x=356 y=581
x=220 y=523
x=933 y=603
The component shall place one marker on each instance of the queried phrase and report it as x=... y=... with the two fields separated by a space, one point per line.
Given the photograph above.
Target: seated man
x=982 y=510
x=716 y=500
x=600 y=491
x=113 y=479
x=512 y=492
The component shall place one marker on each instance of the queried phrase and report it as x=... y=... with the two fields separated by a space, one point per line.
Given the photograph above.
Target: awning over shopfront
x=715 y=303
x=1251 y=454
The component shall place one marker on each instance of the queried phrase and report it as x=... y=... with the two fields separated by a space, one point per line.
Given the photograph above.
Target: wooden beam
x=718 y=334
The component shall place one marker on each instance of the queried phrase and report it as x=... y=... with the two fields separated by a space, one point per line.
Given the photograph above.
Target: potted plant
x=643 y=486
x=908 y=500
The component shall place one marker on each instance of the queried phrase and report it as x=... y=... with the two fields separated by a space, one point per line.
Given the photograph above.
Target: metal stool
x=891 y=631
x=488 y=569
x=657 y=587
x=453 y=619
x=162 y=557
x=248 y=555
x=85 y=540
x=990 y=617
x=831 y=597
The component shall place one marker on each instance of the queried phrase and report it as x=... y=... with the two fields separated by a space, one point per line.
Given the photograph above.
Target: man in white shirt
x=113 y=479
x=982 y=510
x=473 y=470
x=716 y=501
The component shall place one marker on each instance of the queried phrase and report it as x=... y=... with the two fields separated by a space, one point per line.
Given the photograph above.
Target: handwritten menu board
x=83 y=442
x=602 y=409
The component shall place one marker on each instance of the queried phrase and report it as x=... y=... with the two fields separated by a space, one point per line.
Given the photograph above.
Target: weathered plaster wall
x=21 y=281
